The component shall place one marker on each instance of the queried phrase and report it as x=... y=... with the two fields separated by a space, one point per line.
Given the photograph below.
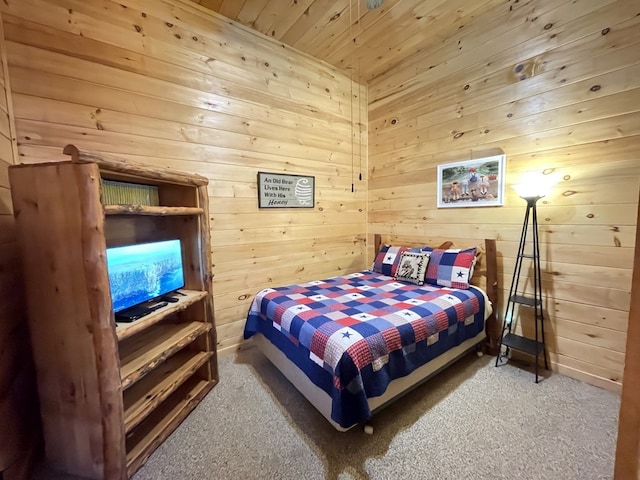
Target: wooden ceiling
x=346 y=34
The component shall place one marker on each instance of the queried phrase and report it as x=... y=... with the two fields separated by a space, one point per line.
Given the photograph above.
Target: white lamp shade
x=534 y=185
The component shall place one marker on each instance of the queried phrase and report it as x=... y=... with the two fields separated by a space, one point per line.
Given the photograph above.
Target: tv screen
x=141 y=272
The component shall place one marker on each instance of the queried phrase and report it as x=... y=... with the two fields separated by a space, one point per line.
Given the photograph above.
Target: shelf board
x=150 y=210
x=125 y=330
x=524 y=300
x=164 y=420
x=142 y=398
x=522 y=344
x=144 y=352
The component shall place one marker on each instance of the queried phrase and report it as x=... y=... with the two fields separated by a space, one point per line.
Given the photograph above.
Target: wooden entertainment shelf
x=111 y=392
x=125 y=330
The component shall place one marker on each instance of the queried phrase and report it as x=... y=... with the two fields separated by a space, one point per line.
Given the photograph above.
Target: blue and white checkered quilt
x=354 y=334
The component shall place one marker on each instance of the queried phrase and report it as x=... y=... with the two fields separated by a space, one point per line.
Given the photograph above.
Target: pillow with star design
x=451 y=268
x=388 y=259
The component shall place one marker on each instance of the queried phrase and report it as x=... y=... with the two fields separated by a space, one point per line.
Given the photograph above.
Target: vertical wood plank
x=628 y=448
x=79 y=373
x=19 y=416
x=207 y=278
x=8 y=91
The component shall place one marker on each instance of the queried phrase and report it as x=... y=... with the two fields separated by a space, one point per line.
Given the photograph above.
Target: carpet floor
x=472 y=421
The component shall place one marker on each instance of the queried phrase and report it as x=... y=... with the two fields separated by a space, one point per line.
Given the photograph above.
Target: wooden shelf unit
x=110 y=392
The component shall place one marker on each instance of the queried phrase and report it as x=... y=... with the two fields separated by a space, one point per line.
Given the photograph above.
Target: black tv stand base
x=139 y=311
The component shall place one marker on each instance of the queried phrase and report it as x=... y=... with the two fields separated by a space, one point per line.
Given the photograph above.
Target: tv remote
x=156 y=306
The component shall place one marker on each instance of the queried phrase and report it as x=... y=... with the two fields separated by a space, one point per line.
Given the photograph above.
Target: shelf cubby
x=142 y=398
x=144 y=352
x=163 y=421
x=190 y=297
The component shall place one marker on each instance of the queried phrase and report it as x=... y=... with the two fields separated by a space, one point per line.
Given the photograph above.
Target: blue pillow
x=388 y=259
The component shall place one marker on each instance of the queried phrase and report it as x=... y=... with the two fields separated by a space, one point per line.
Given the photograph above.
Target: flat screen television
x=141 y=272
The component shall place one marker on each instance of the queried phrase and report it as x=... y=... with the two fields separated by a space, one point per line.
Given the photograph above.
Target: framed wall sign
x=472 y=183
x=279 y=190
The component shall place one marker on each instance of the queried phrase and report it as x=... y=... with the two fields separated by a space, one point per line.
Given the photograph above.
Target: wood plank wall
x=555 y=85
x=18 y=399
x=171 y=83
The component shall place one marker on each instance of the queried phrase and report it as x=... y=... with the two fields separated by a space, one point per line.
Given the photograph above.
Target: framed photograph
x=472 y=183
x=280 y=190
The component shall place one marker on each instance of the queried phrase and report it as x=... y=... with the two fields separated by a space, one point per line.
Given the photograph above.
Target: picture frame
x=479 y=182
x=281 y=190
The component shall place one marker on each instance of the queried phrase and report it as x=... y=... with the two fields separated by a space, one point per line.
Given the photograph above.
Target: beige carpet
x=473 y=421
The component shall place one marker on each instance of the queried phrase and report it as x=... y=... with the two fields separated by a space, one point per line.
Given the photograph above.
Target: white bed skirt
x=322 y=401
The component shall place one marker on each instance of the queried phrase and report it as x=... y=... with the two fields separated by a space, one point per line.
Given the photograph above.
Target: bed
x=352 y=344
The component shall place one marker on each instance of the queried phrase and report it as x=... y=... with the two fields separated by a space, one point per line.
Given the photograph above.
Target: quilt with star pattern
x=353 y=334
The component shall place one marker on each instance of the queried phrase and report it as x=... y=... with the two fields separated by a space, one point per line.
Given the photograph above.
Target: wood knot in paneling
x=523 y=70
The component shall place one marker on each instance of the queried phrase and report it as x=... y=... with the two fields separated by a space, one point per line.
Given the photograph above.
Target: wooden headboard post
x=492 y=326
x=490 y=261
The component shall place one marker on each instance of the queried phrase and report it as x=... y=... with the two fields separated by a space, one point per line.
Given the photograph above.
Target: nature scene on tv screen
x=138 y=273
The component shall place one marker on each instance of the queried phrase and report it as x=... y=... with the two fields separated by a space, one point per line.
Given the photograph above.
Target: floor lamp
x=528 y=250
